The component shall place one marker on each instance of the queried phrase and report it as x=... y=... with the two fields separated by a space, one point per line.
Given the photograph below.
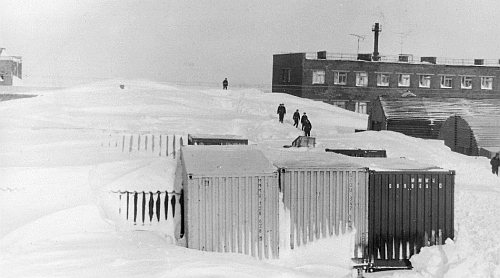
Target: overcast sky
x=208 y=40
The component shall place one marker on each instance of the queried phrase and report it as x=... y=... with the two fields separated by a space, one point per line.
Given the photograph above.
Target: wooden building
x=475 y=136
x=423 y=117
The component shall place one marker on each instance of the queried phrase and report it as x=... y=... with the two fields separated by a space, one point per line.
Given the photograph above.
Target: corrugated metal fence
x=409 y=211
x=324 y=202
x=236 y=214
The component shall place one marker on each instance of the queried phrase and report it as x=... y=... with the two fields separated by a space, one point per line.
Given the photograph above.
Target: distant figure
x=495 y=163
x=307 y=128
x=224 y=84
x=296 y=118
x=281 y=112
x=303 y=120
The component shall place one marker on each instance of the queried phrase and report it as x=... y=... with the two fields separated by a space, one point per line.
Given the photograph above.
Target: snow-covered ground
x=61 y=151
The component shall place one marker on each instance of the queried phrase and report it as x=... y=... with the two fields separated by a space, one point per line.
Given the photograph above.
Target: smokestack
x=376 y=30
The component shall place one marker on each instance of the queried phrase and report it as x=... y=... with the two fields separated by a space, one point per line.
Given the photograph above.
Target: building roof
x=225 y=160
x=437 y=109
x=485 y=129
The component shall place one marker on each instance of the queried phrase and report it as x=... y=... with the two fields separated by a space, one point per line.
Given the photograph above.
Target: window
x=404 y=80
x=446 y=81
x=383 y=79
x=361 y=79
x=466 y=82
x=286 y=76
x=319 y=77
x=340 y=78
x=487 y=83
x=424 y=81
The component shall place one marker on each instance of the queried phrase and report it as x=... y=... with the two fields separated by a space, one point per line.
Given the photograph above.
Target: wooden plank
x=421 y=229
x=300 y=207
x=246 y=214
x=312 y=205
x=325 y=207
x=331 y=202
x=405 y=213
x=442 y=204
x=216 y=214
x=413 y=195
x=435 y=205
x=338 y=202
x=253 y=211
x=291 y=188
x=398 y=233
x=391 y=212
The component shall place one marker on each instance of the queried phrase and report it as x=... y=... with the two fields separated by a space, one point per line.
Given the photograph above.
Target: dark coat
x=495 y=162
x=281 y=110
x=307 y=126
x=303 y=119
x=296 y=115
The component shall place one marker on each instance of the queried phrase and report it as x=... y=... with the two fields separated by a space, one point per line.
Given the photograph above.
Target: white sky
x=205 y=41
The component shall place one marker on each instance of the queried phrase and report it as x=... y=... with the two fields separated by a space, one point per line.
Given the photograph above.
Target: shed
x=216 y=139
x=231 y=200
x=475 y=136
x=423 y=117
x=10 y=68
x=323 y=197
x=411 y=205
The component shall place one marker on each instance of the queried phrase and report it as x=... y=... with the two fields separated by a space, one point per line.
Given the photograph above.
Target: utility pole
x=376 y=30
x=359 y=37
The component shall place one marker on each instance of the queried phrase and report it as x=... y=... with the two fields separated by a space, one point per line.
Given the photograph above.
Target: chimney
x=376 y=30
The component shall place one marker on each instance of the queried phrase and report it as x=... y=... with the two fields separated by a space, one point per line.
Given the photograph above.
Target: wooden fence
x=147 y=210
x=155 y=144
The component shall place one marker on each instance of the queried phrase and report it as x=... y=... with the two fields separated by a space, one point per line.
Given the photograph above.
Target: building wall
x=292 y=63
x=9 y=67
x=376 y=118
x=350 y=94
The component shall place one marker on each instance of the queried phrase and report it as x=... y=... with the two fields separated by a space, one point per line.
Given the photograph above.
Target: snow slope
x=62 y=149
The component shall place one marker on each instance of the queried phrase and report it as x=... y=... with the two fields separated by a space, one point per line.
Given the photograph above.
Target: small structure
x=10 y=69
x=213 y=139
x=230 y=200
x=323 y=197
x=304 y=141
x=423 y=117
x=359 y=152
x=410 y=206
x=475 y=136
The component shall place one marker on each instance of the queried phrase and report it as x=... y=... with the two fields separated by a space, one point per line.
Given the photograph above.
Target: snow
x=64 y=153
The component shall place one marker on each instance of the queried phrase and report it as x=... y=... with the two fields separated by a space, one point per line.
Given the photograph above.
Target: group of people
x=304 y=120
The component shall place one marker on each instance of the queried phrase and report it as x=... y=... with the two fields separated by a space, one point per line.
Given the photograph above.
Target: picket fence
x=147 y=210
x=155 y=144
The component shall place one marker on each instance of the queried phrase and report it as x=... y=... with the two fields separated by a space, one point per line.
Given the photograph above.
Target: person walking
x=224 y=84
x=296 y=118
x=495 y=163
x=281 y=112
x=303 y=120
x=307 y=128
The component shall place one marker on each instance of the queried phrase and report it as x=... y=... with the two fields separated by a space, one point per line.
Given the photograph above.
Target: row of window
x=424 y=80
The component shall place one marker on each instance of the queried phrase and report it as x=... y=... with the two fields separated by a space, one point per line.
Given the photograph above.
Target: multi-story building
x=352 y=81
x=10 y=68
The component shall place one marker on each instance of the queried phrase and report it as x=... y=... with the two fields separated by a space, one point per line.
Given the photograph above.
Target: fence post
x=131 y=143
x=139 y=143
x=166 y=152
x=173 y=146
x=146 y=144
x=153 y=143
x=160 y=146
x=123 y=144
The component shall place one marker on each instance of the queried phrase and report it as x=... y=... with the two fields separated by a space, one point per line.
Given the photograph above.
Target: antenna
x=359 y=37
